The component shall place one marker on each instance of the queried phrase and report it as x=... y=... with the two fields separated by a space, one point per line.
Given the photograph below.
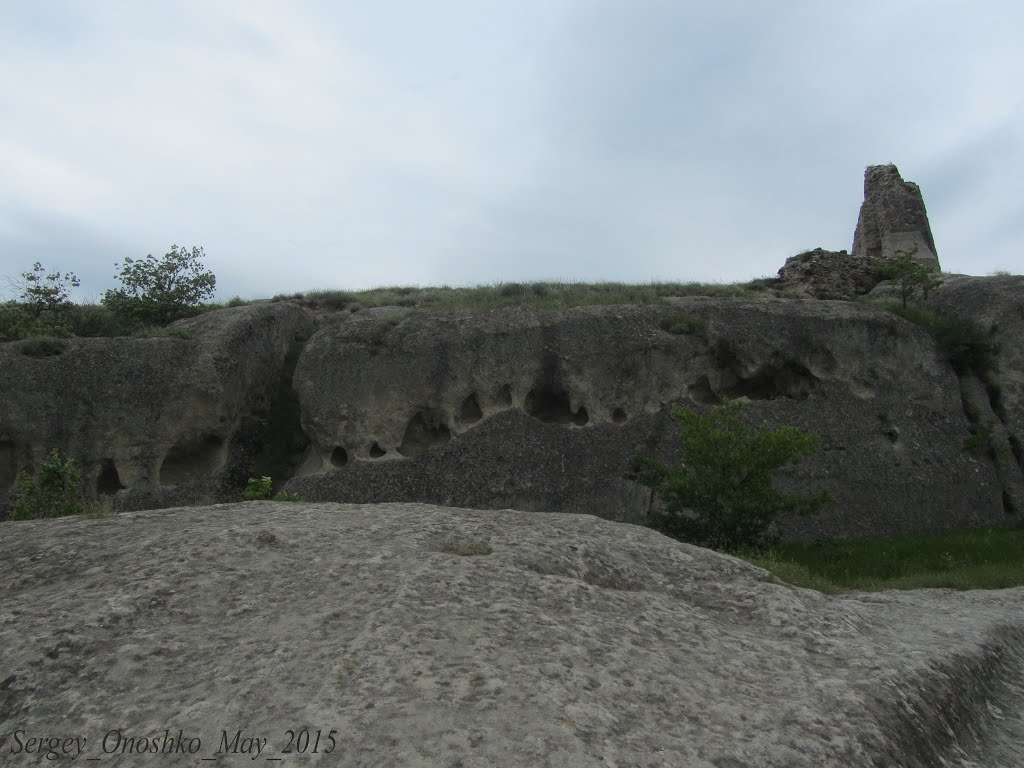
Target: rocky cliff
x=549 y=411
x=156 y=421
x=543 y=411
x=401 y=635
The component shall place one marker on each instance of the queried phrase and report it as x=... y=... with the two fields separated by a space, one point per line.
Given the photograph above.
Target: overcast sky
x=349 y=144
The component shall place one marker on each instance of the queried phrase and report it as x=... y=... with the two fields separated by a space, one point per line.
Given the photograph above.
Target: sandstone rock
x=892 y=219
x=572 y=642
x=166 y=418
x=823 y=274
x=996 y=304
x=548 y=411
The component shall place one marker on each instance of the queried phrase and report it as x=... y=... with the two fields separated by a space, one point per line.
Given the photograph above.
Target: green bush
x=980 y=442
x=912 y=279
x=160 y=291
x=15 y=321
x=684 y=324
x=257 y=489
x=42 y=346
x=41 y=291
x=56 y=493
x=721 y=492
x=960 y=340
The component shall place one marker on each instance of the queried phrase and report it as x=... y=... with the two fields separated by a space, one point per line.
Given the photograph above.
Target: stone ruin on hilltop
x=892 y=220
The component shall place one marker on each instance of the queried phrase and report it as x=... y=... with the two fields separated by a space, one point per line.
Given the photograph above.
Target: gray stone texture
x=564 y=402
x=892 y=219
x=996 y=305
x=168 y=419
x=543 y=411
x=822 y=274
x=573 y=642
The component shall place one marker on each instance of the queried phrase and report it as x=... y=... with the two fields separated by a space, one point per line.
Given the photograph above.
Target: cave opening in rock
x=1008 y=506
x=505 y=396
x=619 y=415
x=770 y=381
x=192 y=460
x=469 y=411
x=425 y=430
x=109 y=482
x=376 y=451
x=552 y=406
x=1015 y=448
x=8 y=465
x=339 y=457
x=701 y=393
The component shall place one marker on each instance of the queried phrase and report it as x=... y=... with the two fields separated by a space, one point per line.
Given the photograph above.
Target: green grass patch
x=535 y=295
x=991 y=558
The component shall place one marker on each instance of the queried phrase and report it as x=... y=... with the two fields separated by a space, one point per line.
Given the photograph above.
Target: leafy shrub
x=42 y=346
x=960 y=340
x=15 y=321
x=56 y=494
x=980 y=442
x=42 y=291
x=684 y=324
x=910 y=277
x=257 y=489
x=721 y=493
x=159 y=291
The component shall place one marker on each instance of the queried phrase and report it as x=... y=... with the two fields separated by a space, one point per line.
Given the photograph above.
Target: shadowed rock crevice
x=339 y=457
x=193 y=460
x=553 y=407
x=619 y=416
x=376 y=451
x=777 y=377
x=425 y=430
x=469 y=411
x=8 y=465
x=109 y=482
x=284 y=443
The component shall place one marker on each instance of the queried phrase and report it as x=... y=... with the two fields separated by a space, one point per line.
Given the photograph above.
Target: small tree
x=41 y=291
x=56 y=494
x=721 y=493
x=910 y=277
x=162 y=290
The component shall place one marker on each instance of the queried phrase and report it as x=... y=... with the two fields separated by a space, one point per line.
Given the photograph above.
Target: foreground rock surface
x=574 y=642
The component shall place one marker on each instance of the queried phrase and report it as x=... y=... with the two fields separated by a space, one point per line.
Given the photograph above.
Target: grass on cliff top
x=539 y=295
x=971 y=559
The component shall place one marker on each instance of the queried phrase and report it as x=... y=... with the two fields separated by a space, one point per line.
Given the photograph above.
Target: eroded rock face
x=548 y=411
x=418 y=635
x=822 y=274
x=996 y=304
x=158 y=419
x=893 y=219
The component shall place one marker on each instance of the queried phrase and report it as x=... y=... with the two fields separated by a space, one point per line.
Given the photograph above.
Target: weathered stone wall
x=893 y=219
x=548 y=411
x=164 y=418
x=537 y=411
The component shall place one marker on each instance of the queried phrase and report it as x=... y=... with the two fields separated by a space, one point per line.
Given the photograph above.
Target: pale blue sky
x=350 y=144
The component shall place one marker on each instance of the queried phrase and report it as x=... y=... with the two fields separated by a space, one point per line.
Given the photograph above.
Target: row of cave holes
x=426 y=429
x=184 y=464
